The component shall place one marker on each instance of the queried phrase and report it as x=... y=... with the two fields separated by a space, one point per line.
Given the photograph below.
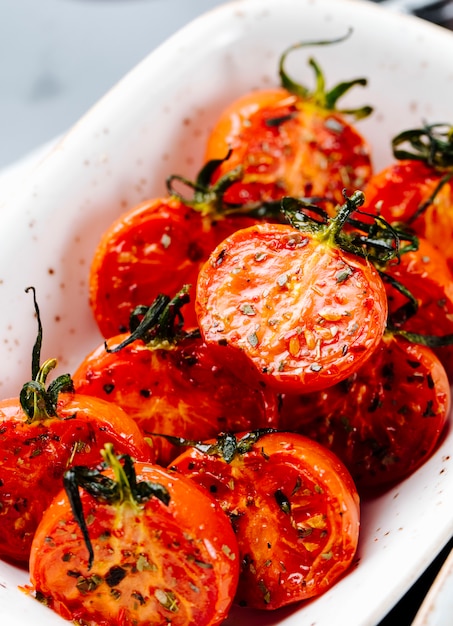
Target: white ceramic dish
x=154 y=123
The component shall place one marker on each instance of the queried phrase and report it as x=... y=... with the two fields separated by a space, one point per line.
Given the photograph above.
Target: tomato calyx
x=432 y=144
x=320 y=96
x=161 y=325
x=377 y=241
x=207 y=198
x=227 y=446
x=123 y=489
x=37 y=401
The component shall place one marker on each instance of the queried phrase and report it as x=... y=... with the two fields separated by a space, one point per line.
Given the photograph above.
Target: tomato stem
x=37 y=402
x=431 y=341
x=122 y=489
x=320 y=96
x=378 y=240
x=336 y=225
x=159 y=326
x=227 y=445
x=407 y=310
x=207 y=198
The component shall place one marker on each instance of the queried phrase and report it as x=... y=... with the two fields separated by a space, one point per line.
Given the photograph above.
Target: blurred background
x=58 y=57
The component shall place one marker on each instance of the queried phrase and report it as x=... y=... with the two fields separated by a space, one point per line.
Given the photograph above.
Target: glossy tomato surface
x=33 y=458
x=385 y=420
x=300 y=311
x=154 y=563
x=399 y=193
x=154 y=248
x=426 y=274
x=295 y=512
x=183 y=392
x=288 y=146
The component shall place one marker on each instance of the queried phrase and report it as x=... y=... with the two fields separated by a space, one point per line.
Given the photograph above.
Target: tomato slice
x=34 y=457
x=154 y=562
x=153 y=248
x=299 y=310
x=294 y=509
x=288 y=146
x=182 y=392
x=384 y=421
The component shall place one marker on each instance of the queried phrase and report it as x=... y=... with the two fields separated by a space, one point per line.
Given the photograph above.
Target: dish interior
x=155 y=123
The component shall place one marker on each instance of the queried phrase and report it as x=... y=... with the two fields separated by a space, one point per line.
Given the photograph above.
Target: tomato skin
x=295 y=511
x=399 y=190
x=426 y=274
x=182 y=392
x=301 y=312
x=154 y=248
x=384 y=421
x=310 y=152
x=33 y=458
x=153 y=565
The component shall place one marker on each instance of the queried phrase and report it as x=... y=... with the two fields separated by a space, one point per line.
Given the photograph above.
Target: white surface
x=155 y=123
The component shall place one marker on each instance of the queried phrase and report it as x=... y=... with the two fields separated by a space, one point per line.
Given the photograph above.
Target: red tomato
x=398 y=191
x=294 y=509
x=288 y=147
x=157 y=560
x=42 y=433
x=154 y=248
x=34 y=456
x=427 y=276
x=385 y=420
x=291 y=142
x=418 y=188
x=182 y=392
x=292 y=305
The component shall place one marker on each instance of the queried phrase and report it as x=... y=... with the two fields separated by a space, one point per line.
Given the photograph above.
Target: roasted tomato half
x=292 y=304
x=292 y=141
x=294 y=509
x=139 y=545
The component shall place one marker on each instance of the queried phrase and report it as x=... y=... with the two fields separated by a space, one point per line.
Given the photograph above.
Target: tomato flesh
x=295 y=512
x=302 y=312
x=288 y=146
x=154 y=563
